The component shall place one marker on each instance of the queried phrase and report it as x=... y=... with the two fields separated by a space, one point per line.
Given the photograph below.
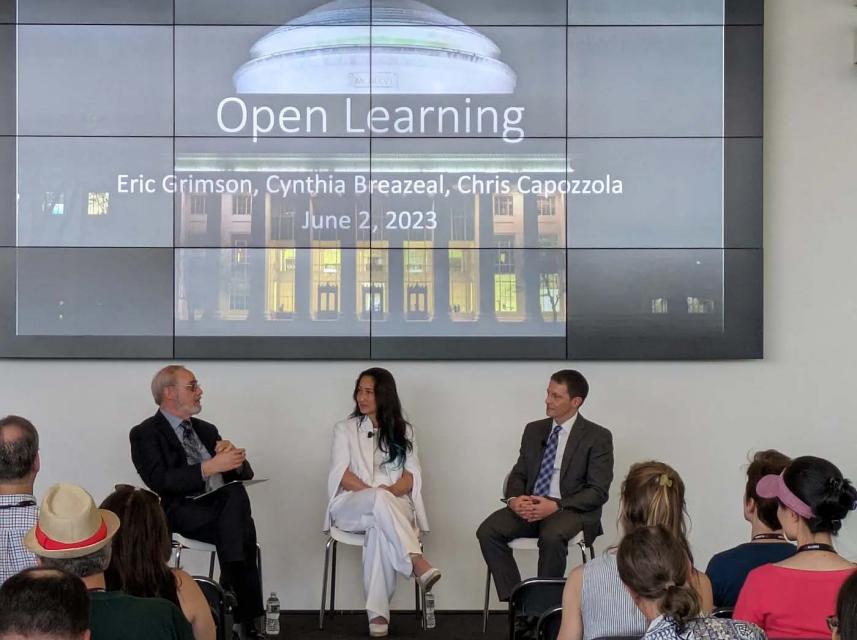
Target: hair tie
x=665 y=481
x=669 y=585
x=835 y=484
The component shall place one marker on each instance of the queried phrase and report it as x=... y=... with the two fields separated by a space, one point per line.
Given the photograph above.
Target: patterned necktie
x=543 y=480
x=189 y=442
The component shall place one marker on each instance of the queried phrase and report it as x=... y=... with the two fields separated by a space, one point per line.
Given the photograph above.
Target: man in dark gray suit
x=556 y=488
x=179 y=456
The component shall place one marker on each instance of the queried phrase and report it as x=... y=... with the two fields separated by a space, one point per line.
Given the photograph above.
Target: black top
x=728 y=569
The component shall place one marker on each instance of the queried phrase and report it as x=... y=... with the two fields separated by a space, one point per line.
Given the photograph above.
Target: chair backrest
x=529 y=600
x=722 y=612
x=222 y=604
x=534 y=596
x=549 y=623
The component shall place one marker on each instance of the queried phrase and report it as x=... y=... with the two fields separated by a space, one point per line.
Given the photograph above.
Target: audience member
x=792 y=598
x=178 y=457
x=375 y=486
x=73 y=535
x=19 y=464
x=653 y=565
x=44 y=604
x=556 y=488
x=141 y=551
x=728 y=569
x=595 y=602
x=843 y=625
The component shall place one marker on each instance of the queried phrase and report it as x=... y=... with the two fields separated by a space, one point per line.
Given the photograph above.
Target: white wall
x=701 y=417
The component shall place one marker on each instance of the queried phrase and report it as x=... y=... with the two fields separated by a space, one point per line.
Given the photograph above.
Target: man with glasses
x=19 y=464
x=181 y=457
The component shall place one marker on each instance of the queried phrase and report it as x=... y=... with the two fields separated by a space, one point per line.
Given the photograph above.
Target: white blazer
x=352 y=449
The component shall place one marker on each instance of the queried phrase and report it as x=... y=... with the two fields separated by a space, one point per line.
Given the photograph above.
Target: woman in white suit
x=374 y=487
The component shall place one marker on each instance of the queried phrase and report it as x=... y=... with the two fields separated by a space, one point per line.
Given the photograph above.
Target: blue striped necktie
x=543 y=480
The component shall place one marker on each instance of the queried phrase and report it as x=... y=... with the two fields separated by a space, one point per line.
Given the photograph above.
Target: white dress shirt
x=562 y=439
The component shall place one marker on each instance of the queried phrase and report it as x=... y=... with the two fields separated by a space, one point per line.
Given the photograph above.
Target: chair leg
x=259 y=564
x=333 y=583
x=211 y=565
x=179 y=557
x=582 y=547
x=512 y=613
x=423 y=621
x=487 y=595
x=419 y=598
x=324 y=583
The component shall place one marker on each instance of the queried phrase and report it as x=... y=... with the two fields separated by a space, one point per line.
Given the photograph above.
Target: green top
x=116 y=616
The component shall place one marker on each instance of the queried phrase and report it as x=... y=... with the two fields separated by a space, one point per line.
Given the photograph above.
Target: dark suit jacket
x=585 y=473
x=161 y=461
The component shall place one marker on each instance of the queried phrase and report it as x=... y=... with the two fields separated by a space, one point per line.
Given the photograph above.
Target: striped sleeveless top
x=605 y=606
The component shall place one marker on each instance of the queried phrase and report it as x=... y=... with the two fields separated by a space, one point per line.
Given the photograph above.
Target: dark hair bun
x=680 y=603
x=820 y=484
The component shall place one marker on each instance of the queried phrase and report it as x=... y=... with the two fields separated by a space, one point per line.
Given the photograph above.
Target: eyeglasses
x=190 y=386
x=832 y=622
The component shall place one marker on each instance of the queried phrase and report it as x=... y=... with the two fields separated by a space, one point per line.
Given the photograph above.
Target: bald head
x=19 y=450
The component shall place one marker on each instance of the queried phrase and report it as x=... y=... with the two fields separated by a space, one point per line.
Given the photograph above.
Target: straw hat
x=70 y=525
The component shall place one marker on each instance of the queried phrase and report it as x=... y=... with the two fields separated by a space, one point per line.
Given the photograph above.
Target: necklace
x=816 y=546
x=769 y=536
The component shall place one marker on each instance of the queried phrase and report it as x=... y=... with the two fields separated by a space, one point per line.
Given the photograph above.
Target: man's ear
x=37 y=464
x=750 y=508
x=576 y=401
x=87 y=635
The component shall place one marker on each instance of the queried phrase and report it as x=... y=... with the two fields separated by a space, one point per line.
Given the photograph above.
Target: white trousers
x=390 y=538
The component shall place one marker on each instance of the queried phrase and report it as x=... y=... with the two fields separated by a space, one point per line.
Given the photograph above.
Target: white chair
x=181 y=542
x=531 y=544
x=355 y=540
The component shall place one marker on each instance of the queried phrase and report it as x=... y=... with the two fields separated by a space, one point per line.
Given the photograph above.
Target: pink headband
x=773 y=486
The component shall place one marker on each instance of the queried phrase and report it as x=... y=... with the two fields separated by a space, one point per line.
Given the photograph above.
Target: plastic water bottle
x=272 y=616
x=430 y=622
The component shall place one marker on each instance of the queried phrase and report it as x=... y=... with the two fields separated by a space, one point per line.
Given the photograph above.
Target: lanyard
x=816 y=546
x=23 y=503
x=769 y=536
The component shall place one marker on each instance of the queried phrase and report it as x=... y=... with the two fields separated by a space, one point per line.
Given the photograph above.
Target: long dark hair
x=653 y=564
x=141 y=547
x=392 y=426
x=846 y=609
x=819 y=483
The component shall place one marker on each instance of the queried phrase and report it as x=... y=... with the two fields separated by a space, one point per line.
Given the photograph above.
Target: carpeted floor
x=403 y=626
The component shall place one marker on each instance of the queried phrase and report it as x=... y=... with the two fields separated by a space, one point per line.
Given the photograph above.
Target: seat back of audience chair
x=549 y=622
x=531 y=598
x=222 y=604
